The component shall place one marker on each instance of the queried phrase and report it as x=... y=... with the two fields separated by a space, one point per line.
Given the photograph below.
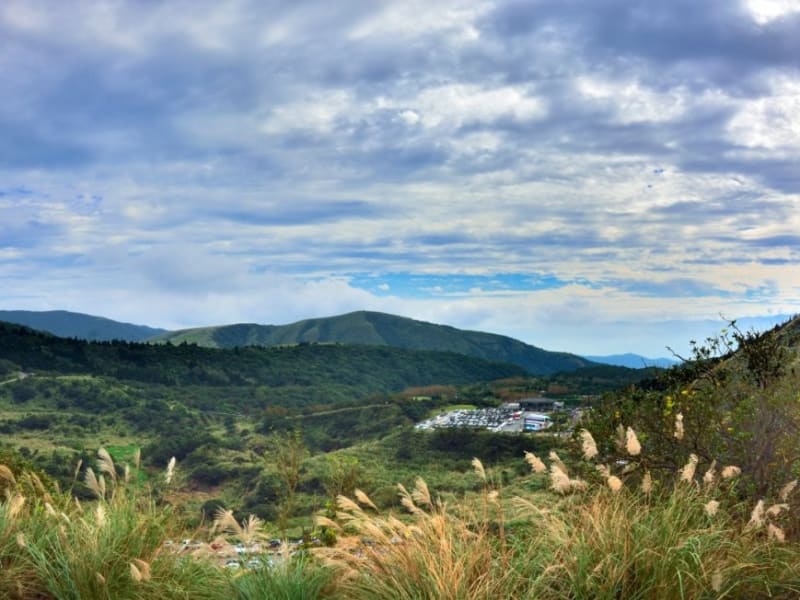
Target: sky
x=594 y=176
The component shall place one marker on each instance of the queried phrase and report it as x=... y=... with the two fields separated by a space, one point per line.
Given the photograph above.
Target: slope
x=86 y=327
x=375 y=328
x=364 y=368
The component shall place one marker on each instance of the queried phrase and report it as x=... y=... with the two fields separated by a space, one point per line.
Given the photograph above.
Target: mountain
x=380 y=329
x=363 y=369
x=77 y=325
x=633 y=361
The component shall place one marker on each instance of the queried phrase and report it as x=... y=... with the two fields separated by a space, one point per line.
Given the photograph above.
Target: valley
x=266 y=443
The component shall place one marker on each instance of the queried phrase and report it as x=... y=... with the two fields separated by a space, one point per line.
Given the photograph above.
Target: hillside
x=77 y=325
x=370 y=368
x=374 y=328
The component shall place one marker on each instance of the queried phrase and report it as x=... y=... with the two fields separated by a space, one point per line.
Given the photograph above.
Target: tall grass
x=290 y=578
x=614 y=533
x=625 y=545
x=609 y=536
x=55 y=547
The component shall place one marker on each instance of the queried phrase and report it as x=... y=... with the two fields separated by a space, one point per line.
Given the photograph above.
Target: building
x=535 y=422
x=540 y=404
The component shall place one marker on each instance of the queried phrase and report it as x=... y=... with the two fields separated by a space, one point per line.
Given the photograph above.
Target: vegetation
x=379 y=329
x=601 y=532
x=76 y=325
x=579 y=540
x=311 y=365
x=680 y=486
x=735 y=401
x=217 y=410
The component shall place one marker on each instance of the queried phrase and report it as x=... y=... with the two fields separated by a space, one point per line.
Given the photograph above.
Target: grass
x=600 y=536
x=288 y=579
x=595 y=539
x=55 y=547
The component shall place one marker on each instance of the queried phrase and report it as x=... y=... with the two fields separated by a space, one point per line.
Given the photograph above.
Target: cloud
x=498 y=164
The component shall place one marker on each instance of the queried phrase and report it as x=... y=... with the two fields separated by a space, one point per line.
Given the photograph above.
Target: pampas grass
x=536 y=464
x=602 y=536
x=710 y=475
x=775 y=533
x=560 y=482
x=439 y=554
x=477 y=465
x=605 y=542
x=248 y=531
x=170 y=472
x=787 y=490
x=588 y=445
x=679 y=432
x=647 y=483
x=757 y=516
x=688 y=470
x=110 y=548
x=632 y=445
x=730 y=471
x=711 y=507
x=614 y=483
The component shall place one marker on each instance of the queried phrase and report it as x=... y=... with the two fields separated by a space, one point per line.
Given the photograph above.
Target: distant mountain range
x=362 y=327
x=633 y=361
x=380 y=329
x=334 y=370
x=77 y=325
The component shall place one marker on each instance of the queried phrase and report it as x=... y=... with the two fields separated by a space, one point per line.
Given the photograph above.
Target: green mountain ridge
x=68 y=324
x=367 y=368
x=381 y=329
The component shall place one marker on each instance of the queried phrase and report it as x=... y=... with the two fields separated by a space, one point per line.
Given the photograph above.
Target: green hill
x=374 y=328
x=86 y=327
x=366 y=368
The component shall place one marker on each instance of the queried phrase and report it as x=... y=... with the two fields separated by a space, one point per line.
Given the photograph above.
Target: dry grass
x=611 y=538
x=53 y=547
x=439 y=553
x=613 y=534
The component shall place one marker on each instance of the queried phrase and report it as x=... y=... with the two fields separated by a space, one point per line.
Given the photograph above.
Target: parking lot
x=506 y=419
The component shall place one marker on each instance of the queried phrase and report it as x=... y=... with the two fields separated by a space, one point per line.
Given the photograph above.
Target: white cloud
x=246 y=157
x=631 y=102
x=764 y=11
x=454 y=19
x=770 y=122
x=317 y=114
x=456 y=105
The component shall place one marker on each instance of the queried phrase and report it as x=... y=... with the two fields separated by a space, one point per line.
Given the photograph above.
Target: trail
x=20 y=376
x=338 y=410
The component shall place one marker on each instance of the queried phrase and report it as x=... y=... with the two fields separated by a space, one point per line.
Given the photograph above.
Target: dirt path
x=338 y=410
x=19 y=377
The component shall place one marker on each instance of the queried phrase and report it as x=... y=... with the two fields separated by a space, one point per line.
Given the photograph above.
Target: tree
x=341 y=476
x=289 y=451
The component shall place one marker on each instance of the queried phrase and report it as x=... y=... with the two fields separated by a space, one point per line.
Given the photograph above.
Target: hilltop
x=381 y=329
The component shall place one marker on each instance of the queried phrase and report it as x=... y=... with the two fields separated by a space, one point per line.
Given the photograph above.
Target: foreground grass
x=53 y=547
x=605 y=539
x=604 y=536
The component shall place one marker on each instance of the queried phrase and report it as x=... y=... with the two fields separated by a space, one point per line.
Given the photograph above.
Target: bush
x=23 y=391
x=736 y=401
